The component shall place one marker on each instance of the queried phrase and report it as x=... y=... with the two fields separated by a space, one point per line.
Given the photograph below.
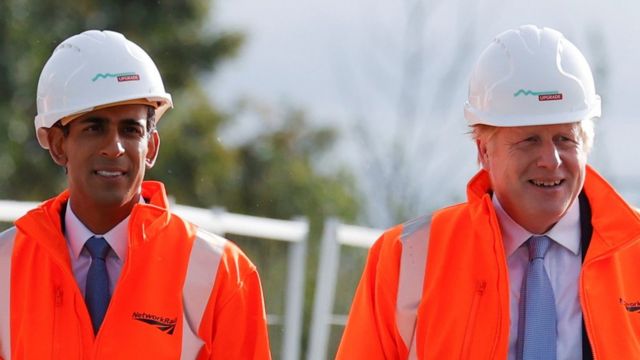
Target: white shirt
x=562 y=262
x=77 y=234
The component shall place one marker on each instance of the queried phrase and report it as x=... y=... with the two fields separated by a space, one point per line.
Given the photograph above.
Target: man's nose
x=113 y=146
x=549 y=156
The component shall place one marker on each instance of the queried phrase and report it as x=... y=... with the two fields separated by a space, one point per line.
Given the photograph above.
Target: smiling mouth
x=106 y=173
x=546 y=184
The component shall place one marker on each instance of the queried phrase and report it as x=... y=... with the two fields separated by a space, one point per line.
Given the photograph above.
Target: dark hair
x=151 y=119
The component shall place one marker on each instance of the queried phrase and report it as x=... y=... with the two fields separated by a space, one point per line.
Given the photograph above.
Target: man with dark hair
x=104 y=270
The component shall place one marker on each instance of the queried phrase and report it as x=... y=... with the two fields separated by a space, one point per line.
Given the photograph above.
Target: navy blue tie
x=97 y=293
x=537 y=318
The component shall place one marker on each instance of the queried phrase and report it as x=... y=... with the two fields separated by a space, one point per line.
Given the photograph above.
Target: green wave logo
x=534 y=93
x=110 y=75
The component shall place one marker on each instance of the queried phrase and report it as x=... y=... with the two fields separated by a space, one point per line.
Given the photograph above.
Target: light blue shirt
x=563 y=262
x=77 y=234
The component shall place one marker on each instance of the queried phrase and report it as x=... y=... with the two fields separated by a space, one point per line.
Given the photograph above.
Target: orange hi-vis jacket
x=437 y=287
x=182 y=293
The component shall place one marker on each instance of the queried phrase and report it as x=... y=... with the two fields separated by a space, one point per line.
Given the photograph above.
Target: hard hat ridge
x=531 y=76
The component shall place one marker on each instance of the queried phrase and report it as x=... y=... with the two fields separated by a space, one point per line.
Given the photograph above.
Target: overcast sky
x=339 y=60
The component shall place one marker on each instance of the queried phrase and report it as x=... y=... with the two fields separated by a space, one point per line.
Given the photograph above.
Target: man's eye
x=134 y=130
x=566 y=139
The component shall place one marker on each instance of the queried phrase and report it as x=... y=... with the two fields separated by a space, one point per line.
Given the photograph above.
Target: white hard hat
x=96 y=69
x=531 y=76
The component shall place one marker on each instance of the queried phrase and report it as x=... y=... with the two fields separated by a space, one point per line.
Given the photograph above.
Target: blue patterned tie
x=537 y=319
x=97 y=293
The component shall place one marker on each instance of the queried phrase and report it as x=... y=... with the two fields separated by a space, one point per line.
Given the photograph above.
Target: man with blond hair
x=540 y=262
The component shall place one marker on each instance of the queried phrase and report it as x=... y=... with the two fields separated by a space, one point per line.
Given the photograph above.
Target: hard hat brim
x=476 y=118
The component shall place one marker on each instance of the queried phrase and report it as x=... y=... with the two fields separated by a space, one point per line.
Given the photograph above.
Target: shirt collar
x=565 y=232
x=77 y=234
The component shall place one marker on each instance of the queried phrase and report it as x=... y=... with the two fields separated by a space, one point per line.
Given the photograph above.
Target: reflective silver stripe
x=201 y=274
x=7 y=239
x=415 y=242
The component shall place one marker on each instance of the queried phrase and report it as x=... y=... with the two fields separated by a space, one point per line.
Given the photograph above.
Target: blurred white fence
x=295 y=233
x=334 y=236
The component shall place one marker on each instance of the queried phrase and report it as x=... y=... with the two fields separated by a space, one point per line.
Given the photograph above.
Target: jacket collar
x=614 y=221
x=44 y=223
x=153 y=192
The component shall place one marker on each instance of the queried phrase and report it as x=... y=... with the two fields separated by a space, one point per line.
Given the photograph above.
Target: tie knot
x=97 y=247
x=538 y=246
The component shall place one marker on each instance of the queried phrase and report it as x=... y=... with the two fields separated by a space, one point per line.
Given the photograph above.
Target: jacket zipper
x=58 y=297
x=583 y=298
x=584 y=319
x=471 y=322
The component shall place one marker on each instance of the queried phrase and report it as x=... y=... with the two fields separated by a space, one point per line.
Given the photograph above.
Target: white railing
x=11 y=210
x=334 y=236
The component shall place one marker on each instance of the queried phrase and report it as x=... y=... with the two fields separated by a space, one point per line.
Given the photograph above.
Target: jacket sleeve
x=371 y=332
x=235 y=324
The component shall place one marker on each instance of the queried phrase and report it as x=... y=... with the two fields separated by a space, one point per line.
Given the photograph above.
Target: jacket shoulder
x=415 y=225
x=453 y=209
x=212 y=251
x=210 y=242
x=388 y=247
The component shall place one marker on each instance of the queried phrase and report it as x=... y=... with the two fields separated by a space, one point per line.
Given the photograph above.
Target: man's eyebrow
x=94 y=120
x=100 y=120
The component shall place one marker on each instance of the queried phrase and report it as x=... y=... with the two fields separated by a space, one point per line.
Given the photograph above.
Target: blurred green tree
x=173 y=32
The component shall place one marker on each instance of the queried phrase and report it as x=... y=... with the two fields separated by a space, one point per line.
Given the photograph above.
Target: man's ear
x=483 y=156
x=57 y=150
x=153 y=146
